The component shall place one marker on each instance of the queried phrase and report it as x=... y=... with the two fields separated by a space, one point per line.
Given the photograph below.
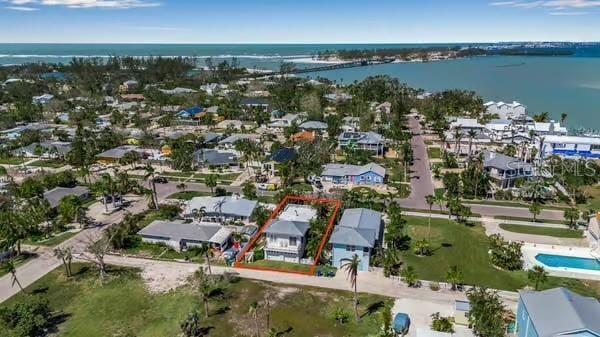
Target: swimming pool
x=559 y=261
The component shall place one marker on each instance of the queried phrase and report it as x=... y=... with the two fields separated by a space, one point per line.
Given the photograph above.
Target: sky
x=297 y=21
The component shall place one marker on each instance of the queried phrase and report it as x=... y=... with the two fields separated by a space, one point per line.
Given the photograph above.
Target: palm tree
x=351 y=267
x=454 y=277
x=472 y=134
x=9 y=267
x=571 y=215
x=430 y=199
x=211 y=181
x=440 y=200
x=409 y=276
x=66 y=255
x=563 y=118
x=198 y=214
x=535 y=208
x=457 y=137
x=253 y=311
x=207 y=252
x=537 y=275
x=149 y=176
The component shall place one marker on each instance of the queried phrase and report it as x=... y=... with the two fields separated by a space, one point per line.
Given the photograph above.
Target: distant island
x=433 y=53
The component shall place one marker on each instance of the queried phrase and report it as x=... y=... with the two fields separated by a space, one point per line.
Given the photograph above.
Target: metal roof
x=179 y=230
x=287 y=227
x=55 y=195
x=215 y=158
x=118 y=152
x=342 y=170
x=234 y=206
x=313 y=125
x=504 y=162
x=358 y=227
x=560 y=311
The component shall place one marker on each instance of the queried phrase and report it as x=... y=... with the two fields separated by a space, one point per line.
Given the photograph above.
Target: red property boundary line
x=338 y=206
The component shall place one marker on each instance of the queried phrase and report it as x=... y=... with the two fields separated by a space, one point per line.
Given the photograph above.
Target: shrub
x=435 y=286
x=340 y=315
x=441 y=324
x=26 y=318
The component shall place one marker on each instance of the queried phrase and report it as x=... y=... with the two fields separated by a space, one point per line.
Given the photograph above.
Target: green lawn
x=466 y=247
x=555 y=232
x=48 y=163
x=280 y=265
x=512 y=204
x=187 y=195
x=123 y=307
x=54 y=240
x=593 y=194
x=434 y=152
x=12 y=161
x=516 y=218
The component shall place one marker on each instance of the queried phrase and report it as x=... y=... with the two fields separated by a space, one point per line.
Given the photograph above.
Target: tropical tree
x=454 y=277
x=191 y=326
x=537 y=275
x=535 y=208
x=9 y=268
x=409 y=276
x=457 y=134
x=471 y=134
x=66 y=256
x=571 y=215
x=430 y=199
x=563 y=118
x=487 y=313
x=149 y=177
x=207 y=252
x=351 y=267
x=211 y=181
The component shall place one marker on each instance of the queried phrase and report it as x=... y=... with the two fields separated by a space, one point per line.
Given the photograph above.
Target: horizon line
x=304 y=43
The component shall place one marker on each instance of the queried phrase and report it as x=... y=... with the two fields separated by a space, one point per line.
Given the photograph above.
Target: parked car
x=267 y=187
x=160 y=180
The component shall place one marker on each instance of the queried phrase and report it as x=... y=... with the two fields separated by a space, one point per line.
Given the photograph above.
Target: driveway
x=46 y=262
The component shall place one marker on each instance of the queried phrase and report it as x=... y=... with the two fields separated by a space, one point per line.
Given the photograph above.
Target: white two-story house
x=285 y=239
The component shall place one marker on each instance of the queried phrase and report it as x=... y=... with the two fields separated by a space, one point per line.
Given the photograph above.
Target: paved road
x=420 y=174
x=422 y=184
x=46 y=262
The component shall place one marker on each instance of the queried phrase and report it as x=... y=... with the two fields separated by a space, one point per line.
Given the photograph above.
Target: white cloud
x=558 y=13
x=111 y=4
x=22 y=8
x=555 y=7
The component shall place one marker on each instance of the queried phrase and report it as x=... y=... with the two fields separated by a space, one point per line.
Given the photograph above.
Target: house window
x=292 y=241
x=369 y=178
x=350 y=248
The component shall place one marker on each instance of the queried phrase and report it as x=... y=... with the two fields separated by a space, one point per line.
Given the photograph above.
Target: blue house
x=190 y=113
x=359 y=232
x=557 y=312
x=370 y=174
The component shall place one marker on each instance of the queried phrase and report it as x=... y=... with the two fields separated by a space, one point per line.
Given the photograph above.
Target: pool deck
x=530 y=251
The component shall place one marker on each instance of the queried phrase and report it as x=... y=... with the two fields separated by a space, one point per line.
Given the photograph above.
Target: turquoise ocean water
x=568 y=84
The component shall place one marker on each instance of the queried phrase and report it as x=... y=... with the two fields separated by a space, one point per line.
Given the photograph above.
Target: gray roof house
x=358 y=232
x=556 y=312
x=181 y=235
x=46 y=150
x=55 y=195
x=505 y=169
x=313 y=125
x=287 y=227
x=214 y=158
x=230 y=141
x=368 y=141
x=118 y=152
x=221 y=209
x=285 y=238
